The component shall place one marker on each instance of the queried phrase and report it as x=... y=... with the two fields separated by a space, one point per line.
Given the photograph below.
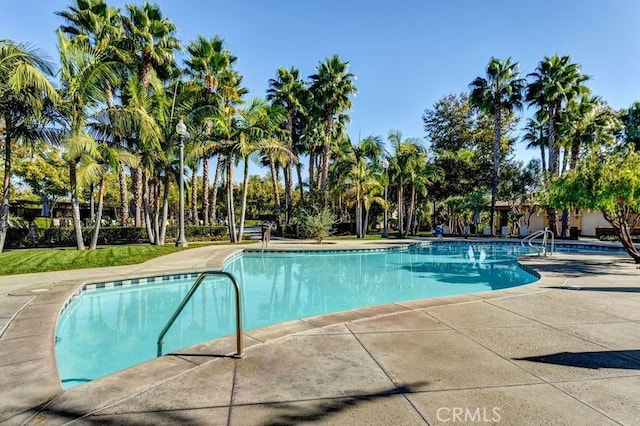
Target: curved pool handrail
x=186 y=299
x=544 y=233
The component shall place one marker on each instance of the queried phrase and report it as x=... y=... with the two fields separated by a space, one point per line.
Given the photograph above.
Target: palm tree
x=587 y=124
x=500 y=91
x=96 y=25
x=556 y=81
x=96 y=168
x=253 y=133
x=407 y=155
x=358 y=172
x=149 y=37
x=536 y=137
x=331 y=87
x=207 y=62
x=25 y=92
x=83 y=76
x=289 y=91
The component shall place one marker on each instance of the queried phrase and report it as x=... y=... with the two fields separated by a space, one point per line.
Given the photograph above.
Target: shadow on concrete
x=625 y=359
x=572 y=268
x=612 y=289
x=291 y=413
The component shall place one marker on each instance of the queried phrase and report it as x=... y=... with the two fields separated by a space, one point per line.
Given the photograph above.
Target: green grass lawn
x=59 y=259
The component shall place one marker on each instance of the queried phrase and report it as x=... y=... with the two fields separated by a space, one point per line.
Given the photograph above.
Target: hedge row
x=65 y=237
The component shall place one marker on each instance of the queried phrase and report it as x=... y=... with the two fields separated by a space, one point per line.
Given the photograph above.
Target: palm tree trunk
x=137 y=195
x=365 y=225
x=552 y=214
x=496 y=166
x=543 y=159
x=312 y=161
x=243 y=208
x=194 y=196
x=231 y=221
x=165 y=208
x=358 y=214
x=410 y=213
x=205 y=190
x=124 y=205
x=145 y=204
x=326 y=153
x=274 y=184
x=75 y=204
x=300 y=185
x=156 y=208
x=401 y=209
x=6 y=185
x=216 y=183
x=96 y=226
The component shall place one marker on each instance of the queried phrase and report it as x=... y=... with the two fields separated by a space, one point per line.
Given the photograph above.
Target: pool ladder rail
x=185 y=300
x=544 y=233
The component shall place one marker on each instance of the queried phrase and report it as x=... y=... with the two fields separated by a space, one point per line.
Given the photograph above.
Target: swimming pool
x=111 y=326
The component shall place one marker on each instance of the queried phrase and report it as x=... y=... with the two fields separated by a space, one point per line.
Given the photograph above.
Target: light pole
x=385 y=165
x=181 y=130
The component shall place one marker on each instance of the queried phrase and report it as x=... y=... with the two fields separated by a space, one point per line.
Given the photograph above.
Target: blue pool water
x=104 y=330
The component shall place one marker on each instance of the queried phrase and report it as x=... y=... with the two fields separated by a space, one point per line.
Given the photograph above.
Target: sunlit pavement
x=564 y=350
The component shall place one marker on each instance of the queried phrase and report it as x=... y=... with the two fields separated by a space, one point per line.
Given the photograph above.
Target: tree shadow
x=292 y=413
x=623 y=359
x=609 y=289
x=288 y=413
x=579 y=268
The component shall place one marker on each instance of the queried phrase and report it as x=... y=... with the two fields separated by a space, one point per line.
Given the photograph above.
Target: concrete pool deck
x=564 y=350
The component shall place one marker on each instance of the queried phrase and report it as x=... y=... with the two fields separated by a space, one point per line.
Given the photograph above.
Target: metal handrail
x=186 y=299
x=545 y=240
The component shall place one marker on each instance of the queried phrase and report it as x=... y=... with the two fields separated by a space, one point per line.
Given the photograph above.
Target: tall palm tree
x=253 y=133
x=150 y=39
x=331 y=87
x=96 y=25
x=500 y=91
x=208 y=60
x=25 y=92
x=289 y=91
x=83 y=75
x=406 y=156
x=556 y=81
x=356 y=170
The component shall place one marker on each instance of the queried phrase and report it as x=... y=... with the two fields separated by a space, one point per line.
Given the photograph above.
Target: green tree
x=83 y=76
x=94 y=25
x=556 y=82
x=25 y=92
x=357 y=175
x=500 y=91
x=608 y=182
x=208 y=61
x=289 y=91
x=331 y=87
x=630 y=118
x=151 y=43
x=406 y=158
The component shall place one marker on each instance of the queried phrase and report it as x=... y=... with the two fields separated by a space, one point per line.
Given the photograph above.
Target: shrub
x=317 y=224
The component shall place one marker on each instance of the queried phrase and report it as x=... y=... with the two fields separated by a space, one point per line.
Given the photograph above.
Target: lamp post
x=181 y=130
x=385 y=165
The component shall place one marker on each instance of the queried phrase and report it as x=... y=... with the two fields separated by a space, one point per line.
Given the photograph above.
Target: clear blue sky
x=406 y=54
